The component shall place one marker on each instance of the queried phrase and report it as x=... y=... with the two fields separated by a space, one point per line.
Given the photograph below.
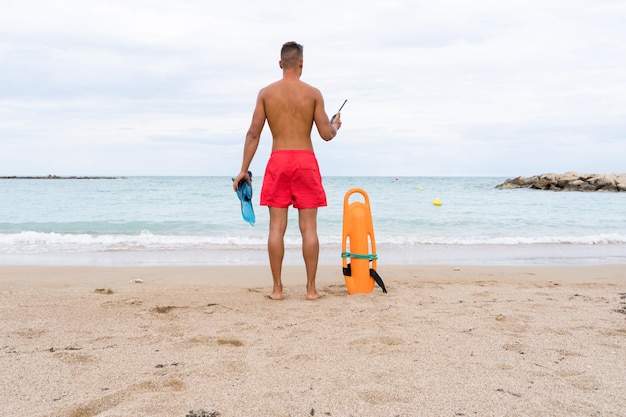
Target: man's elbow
x=252 y=136
x=329 y=135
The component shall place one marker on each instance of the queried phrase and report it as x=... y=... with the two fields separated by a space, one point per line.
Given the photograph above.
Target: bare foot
x=314 y=296
x=275 y=296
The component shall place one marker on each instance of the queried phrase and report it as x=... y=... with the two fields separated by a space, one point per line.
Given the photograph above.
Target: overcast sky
x=484 y=87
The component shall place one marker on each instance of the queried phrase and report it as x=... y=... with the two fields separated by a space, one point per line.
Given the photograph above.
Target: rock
x=566 y=178
x=569 y=181
x=55 y=177
x=519 y=182
x=544 y=182
x=604 y=182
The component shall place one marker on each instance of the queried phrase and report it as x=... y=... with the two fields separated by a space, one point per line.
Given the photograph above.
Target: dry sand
x=477 y=341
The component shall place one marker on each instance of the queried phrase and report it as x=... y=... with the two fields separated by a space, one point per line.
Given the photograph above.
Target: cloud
x=446 y=88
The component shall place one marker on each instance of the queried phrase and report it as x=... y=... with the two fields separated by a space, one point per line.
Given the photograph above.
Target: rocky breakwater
x=570 y=181
x=54 y=177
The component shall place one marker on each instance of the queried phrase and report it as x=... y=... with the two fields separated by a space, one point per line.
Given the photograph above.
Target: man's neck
x=291 y=74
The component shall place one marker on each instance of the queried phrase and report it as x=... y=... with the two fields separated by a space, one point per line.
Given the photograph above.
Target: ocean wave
x=596 y=239
x=53 y=242
x=45 y=242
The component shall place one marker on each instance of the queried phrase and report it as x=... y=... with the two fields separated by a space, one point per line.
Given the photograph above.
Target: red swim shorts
x=293 y=177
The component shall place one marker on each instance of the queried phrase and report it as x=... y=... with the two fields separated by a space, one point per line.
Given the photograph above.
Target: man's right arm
x=252 y=140
x=326 y=129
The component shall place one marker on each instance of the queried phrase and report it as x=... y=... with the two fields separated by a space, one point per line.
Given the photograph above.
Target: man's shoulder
x=309 y=86
x=281 y=85
x=270 y=86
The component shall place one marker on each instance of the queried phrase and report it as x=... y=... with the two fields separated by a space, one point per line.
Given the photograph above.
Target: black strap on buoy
x=348 y=273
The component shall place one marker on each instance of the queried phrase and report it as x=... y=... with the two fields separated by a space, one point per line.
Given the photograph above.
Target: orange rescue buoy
x=359 y=245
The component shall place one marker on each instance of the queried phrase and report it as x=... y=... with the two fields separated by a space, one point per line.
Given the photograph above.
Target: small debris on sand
x=202 y=413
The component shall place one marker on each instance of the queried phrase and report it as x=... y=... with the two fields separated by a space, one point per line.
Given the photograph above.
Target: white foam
x=52 y=242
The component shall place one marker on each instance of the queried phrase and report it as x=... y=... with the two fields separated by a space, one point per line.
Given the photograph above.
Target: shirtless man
x=292 y=175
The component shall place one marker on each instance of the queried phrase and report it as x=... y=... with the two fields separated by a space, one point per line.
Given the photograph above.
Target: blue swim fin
x=244 y=192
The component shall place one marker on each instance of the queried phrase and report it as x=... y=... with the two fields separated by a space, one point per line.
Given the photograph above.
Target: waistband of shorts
x=293 y=151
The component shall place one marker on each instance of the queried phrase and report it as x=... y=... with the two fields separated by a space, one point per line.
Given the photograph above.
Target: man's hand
x=243 y=175
x=336 y=120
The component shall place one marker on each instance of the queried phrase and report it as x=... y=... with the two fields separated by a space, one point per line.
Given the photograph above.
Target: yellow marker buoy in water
x=421 y=188
x=437 y=202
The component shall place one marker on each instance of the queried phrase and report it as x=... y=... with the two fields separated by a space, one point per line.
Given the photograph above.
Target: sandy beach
x=204 y=341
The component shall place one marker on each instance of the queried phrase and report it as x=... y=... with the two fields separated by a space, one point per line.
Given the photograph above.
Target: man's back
x=292 y=175
x=290 y=111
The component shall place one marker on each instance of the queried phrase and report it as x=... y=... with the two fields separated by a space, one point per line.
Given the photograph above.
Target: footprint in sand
x=100 y=405
x=30 y=333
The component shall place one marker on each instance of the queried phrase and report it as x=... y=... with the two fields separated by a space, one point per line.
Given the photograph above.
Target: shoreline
x=445 y=340
x=260 y=275
x=330 y=255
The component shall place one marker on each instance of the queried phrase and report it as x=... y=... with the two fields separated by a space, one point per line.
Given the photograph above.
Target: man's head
x=291 y=55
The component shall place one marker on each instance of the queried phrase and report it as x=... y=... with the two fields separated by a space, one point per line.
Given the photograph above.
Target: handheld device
x=334 y=115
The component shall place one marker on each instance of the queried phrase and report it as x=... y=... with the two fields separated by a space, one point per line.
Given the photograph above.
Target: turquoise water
x=197 y=221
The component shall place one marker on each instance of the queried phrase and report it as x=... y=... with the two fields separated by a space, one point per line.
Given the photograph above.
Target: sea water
x=197 y=221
